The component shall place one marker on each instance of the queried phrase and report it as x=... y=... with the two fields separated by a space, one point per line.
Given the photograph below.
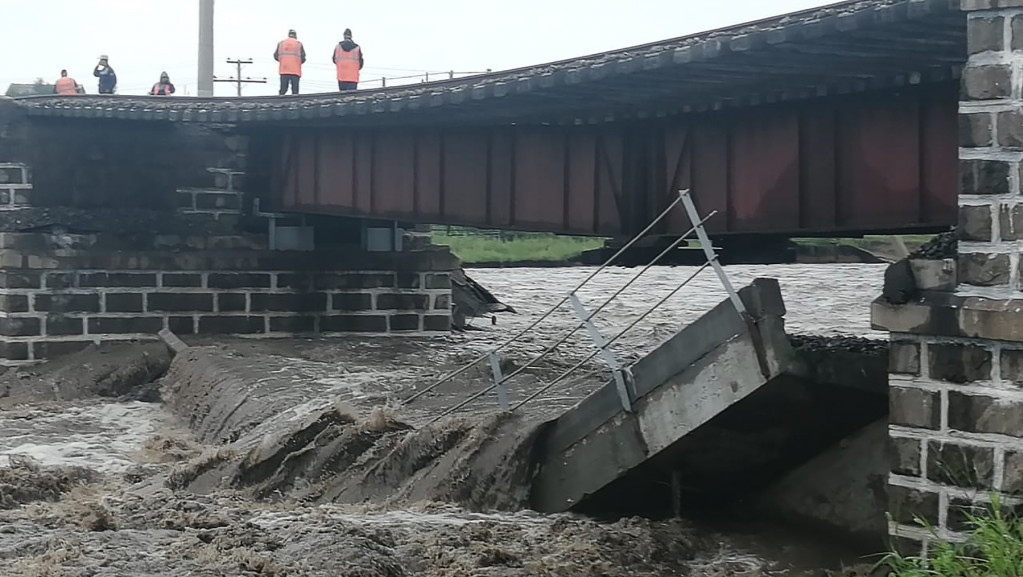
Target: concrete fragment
x=176 y=345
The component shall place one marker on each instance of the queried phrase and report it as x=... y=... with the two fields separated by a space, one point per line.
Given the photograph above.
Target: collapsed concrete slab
x=706 y=368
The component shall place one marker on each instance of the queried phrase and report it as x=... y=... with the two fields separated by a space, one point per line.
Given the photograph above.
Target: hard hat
x=103 y=57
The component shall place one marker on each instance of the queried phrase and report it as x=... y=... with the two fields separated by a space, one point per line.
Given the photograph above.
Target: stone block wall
x=56 y=300
x=15 y=186
x=225 y=197
x=956 y=373
x=115 y=231
x=991 y=148
x=956 y=430
x=103 y=164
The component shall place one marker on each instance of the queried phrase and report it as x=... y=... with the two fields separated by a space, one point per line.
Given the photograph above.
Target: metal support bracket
x=605 y=353
x=271 y=222
x=499 y=386
x=740 y=307
x=708 y=251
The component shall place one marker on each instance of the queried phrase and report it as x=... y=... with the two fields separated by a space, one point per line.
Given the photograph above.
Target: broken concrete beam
x=696 y=375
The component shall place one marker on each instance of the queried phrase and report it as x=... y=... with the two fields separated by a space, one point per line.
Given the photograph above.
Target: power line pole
x=238 y=80
x=205 y=48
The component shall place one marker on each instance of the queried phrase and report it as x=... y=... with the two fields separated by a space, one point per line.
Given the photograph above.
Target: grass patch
x=866 y=242
x=485 y=247
x=994 y=548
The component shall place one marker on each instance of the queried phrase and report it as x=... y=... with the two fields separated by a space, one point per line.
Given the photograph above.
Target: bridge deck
x=838 y=120
x=846 y=47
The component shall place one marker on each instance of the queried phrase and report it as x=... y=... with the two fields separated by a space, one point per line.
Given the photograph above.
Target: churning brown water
x=85 y=491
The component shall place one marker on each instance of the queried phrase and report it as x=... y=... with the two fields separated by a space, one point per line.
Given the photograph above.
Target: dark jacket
x=348 y=46
x=107 y=79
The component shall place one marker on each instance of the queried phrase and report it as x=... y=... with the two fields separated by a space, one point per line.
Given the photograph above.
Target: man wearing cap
x=291 y=55
x=106 y=75
x=348 y=59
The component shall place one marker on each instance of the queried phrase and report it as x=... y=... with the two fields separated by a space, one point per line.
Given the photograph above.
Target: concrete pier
x=103 y=241
x=956 y=428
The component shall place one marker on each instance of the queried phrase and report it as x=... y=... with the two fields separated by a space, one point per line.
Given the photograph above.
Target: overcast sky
x=399 y=37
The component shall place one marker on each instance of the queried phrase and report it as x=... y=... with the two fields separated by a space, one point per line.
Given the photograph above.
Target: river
x=122 y=520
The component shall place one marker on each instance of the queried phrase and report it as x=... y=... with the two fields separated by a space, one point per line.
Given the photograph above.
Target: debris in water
x=25 y=481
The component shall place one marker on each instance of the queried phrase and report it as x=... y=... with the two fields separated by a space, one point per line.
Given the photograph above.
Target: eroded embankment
x=119 y=372
x=110 y=519
x=326 y=451
x=282 y=451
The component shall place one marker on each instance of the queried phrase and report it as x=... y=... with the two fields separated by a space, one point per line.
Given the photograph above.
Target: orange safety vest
x=66 y=85
x=347 y=64
x=289 y=53
x=159 y=90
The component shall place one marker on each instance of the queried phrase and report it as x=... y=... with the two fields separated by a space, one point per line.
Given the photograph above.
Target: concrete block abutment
x=78 y=276
x=117 y=232
x=956 y=424
x=55 y=300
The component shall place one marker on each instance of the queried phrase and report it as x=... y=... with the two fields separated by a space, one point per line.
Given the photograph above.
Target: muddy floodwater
x=830 y=299
x=108 y=485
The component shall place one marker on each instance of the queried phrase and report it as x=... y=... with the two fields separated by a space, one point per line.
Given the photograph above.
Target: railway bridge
x=121 y=216
x=833 y=121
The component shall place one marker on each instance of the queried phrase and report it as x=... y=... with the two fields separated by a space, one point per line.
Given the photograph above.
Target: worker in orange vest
x=348 y=59
x=164 y=87
x=291 y=54
x=65 y=85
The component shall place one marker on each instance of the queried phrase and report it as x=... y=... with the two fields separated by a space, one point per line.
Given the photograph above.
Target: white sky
x=400 y=37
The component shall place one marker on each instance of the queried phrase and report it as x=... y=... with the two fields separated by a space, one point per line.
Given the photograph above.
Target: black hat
x=348 y=32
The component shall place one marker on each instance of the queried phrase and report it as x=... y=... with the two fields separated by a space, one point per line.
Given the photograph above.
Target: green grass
x=476 y=248
x=865 y=242
x=994 y=549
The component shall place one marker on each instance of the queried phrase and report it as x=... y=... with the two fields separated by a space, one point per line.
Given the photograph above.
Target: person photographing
x=107 y=76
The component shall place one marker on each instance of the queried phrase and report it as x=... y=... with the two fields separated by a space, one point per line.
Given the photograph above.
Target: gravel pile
x=942 y=246
x=839 y=344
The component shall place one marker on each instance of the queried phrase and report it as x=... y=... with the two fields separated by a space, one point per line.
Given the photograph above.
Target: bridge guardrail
x=622 y=375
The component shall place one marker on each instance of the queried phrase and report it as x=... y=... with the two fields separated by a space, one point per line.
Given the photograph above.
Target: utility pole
x=205 y=48
x=238 y=80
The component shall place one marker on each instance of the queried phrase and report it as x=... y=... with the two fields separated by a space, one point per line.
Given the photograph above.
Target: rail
x=422 y=77
x=622 y=375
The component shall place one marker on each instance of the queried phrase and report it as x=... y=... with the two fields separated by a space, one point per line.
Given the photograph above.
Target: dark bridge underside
x=867 y=163
x=828 y=120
